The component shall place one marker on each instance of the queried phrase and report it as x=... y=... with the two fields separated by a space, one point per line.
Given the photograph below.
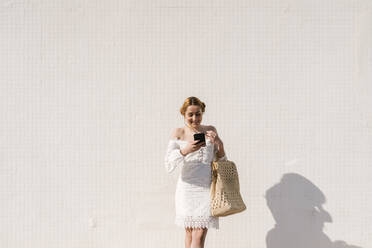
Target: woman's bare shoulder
x=177 y=133
x=212 y=128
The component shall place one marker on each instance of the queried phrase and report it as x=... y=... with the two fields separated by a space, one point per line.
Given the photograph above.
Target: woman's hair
x=192 y=100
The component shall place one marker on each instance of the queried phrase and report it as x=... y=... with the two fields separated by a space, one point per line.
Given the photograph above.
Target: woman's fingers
x=211 y=134
x=199 y=145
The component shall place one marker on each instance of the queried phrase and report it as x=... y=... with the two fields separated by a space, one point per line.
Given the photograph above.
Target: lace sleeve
x=173 y=157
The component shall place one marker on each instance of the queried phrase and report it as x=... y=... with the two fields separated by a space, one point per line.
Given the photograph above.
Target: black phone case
x=199 y=136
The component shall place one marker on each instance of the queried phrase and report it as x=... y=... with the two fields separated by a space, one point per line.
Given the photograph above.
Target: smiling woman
x=192 y=197
x=193 y=110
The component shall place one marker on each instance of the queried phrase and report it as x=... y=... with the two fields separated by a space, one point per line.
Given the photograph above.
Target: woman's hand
x=218 y=144
x=191 y=147
x=215 y=139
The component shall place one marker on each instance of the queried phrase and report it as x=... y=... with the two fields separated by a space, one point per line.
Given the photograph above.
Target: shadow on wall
x=296 y=205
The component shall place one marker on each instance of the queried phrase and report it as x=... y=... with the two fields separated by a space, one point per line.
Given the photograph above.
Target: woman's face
x=193 y=116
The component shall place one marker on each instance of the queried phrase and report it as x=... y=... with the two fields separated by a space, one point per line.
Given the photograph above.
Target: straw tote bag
x=225 y=189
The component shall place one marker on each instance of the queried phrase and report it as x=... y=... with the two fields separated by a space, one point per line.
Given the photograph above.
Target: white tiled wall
x=90 y=91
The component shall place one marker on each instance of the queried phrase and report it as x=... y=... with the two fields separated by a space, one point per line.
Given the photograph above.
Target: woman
x=192 y=197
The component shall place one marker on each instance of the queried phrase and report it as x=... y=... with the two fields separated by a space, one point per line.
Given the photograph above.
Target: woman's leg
x=198 y=237
x=204 y=236
x=188 y=237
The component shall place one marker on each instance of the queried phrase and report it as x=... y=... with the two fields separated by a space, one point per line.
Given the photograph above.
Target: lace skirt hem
x=197 y=222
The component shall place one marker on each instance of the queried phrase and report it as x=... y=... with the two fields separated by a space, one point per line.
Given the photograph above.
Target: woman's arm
x=220 y=151
x=219 y=143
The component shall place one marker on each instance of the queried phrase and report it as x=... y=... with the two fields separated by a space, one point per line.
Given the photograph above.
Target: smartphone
x=200 y=137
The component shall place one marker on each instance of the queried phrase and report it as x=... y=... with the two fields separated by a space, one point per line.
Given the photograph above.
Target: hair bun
x=192 y=100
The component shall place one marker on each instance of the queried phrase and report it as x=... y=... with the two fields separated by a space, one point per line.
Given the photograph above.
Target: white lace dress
x=192 y=196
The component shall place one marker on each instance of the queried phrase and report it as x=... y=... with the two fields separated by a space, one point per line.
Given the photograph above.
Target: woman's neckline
x=192 y=140
x=189 y=141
